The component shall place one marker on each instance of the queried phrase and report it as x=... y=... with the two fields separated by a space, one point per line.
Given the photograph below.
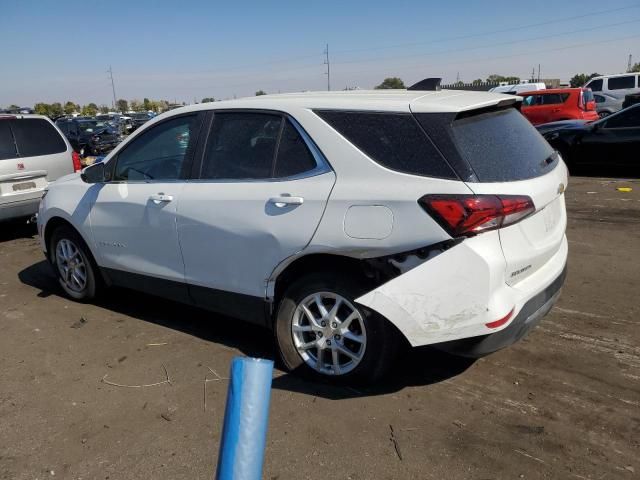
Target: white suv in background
x=33 y=152
x=347 y=222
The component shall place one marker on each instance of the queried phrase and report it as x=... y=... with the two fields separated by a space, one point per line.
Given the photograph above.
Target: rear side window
x=7 y=146
x=620 y=83
x=241 y=146
x=499 y=146
x=35 y=136
x=394 y=140
x=294 y=156
x=554 y=98
x=595 y=86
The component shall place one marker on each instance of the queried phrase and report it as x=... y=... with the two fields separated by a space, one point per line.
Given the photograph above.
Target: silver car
x=33 y=153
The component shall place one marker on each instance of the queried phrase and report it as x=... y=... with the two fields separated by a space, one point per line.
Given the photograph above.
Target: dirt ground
x=564 y=403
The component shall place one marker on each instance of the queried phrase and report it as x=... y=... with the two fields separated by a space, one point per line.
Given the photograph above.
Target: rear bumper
x=529 y=316
x=22 y=208
x=459 y=293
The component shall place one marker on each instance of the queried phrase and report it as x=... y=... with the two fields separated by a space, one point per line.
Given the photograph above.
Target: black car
x=89 y=136
x=610 y=141
x=138 y=119
x=631 y=99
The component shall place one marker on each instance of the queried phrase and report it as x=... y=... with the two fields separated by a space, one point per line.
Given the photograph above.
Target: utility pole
x=630 y=63
x=533 y=74
x=327 y=63
x=538 y=72
x=113 y=87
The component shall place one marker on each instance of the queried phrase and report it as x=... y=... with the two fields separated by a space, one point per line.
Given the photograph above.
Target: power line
x=491 y=32
x=492 y=45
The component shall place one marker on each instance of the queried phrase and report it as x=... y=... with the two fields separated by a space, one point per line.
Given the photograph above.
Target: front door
x=259 y=198
x=133 y=219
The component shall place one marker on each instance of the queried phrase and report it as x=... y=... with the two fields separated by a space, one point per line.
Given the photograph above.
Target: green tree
x=122 y=105
x=69 y=108
x=207 y=100
x=580 y=79
x=635 y=68
x=42 y=109
x=390 y=82
x=260 y=92
x=136 y=105
x=13 y=107
x=477 y=81
x=56 y=109
x=147 y=104
x=90 y=110
x=495 y=78
x=103 y=109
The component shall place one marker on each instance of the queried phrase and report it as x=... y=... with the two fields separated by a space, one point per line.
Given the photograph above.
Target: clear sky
x=190 y=49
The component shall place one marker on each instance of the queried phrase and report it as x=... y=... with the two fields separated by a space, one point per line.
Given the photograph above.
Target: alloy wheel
x=71 y=265
x=329 y=333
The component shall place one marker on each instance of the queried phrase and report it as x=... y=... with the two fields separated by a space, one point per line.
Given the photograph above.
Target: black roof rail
x=428 y=84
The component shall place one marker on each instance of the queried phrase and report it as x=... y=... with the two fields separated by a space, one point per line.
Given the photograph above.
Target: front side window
x=161 y=153
x=621 y=83
x=595 y=85
x=627 y=119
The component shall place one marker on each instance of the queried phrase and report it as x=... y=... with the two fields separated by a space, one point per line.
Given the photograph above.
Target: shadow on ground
x=13 y=230
x=420 y=366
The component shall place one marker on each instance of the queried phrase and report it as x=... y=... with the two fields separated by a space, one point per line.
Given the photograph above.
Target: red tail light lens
x=75 y=157
x=468 y=215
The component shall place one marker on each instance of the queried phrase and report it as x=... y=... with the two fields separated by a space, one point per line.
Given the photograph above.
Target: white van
x=613 y=89
x=517 y=88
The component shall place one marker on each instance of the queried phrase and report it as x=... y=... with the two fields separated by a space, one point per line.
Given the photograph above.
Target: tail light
x=468 y=215
x=75 y=157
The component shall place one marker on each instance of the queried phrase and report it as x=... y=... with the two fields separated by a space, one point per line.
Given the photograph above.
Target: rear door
x=258 y=198
x=509 y=157
x=39 y=155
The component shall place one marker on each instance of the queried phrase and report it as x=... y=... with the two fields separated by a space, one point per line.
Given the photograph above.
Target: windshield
x=88 y=127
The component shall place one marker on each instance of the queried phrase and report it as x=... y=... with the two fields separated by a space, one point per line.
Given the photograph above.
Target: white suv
x=347 y=222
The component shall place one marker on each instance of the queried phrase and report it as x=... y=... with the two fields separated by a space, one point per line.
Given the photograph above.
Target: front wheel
x=322 y=332
x=73 y=264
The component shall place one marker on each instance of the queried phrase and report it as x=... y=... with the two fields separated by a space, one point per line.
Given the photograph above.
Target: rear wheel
x=73 y=264
x=603 y=114
x=322 y=332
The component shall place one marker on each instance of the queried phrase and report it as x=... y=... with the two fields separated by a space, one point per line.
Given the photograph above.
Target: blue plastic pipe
x=246 y=418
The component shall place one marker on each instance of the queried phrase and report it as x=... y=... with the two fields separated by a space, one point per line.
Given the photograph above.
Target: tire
x=372 y=341
x=81 y=281
x=603 y=114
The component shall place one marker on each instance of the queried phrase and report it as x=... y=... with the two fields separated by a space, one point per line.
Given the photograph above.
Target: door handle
x=285 y=200
x=159 y=198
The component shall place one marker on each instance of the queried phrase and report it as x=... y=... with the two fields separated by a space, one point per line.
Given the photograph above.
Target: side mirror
x=93 y=173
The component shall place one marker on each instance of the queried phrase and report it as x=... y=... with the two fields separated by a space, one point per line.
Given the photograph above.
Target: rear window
x=394 y=140
x=7 y=147
x=35 y=136
x=498 y=145
x=620 y=83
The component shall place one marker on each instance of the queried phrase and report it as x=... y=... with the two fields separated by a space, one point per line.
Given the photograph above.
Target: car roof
x=442 y=101
x=20 y=116
x=552 y=90
x=613 y=76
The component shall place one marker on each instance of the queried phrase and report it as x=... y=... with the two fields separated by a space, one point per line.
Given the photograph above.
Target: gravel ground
x=563 y=403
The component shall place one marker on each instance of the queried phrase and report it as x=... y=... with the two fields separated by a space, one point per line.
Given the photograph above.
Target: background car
x=517 y=88
x=332 y=219
x=606 y=104
x=611 y=141
x=33 y=153
x=557 y=104
x=613 y=89
x=88 y=136
x=631 y=99
x=138 y=119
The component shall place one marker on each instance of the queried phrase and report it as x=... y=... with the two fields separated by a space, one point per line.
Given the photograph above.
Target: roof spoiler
x=428 y=84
